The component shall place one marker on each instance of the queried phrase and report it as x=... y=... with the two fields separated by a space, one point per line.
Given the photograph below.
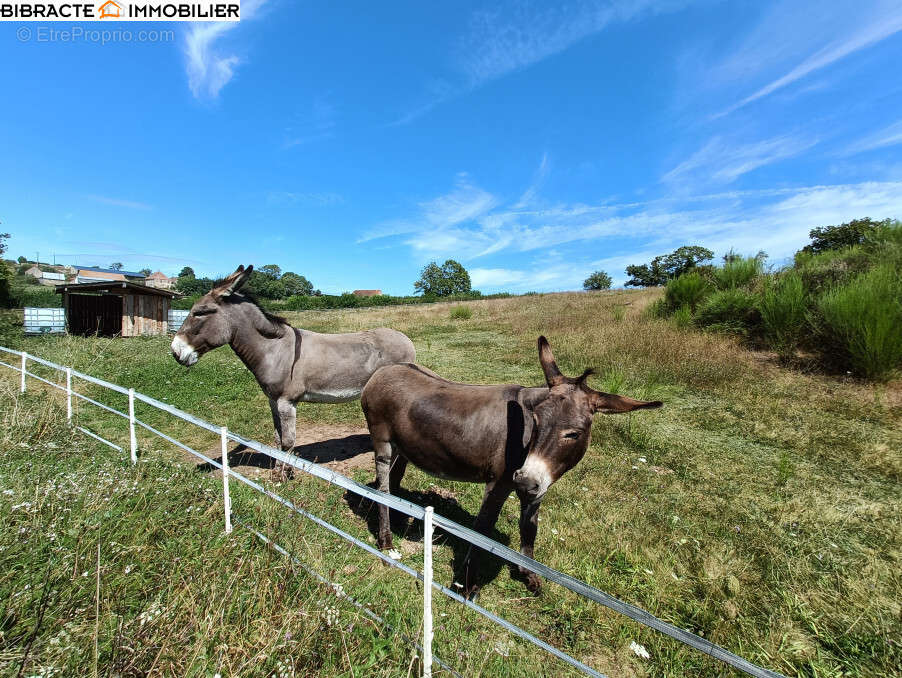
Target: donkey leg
x=492 y=502
x=529 y=526
x=383 y=470
x=284 y=414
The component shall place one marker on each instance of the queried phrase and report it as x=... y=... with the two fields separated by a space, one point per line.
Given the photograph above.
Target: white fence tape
x=579 y=587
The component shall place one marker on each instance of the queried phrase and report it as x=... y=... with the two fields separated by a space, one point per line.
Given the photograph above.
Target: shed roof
x=115 y=287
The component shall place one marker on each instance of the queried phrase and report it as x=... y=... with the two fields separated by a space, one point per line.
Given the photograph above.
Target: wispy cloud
x=888 y=136
x=862 y=25
x=516 y=35
x=464 y=202
x=317 y=125
x=610 y=236
x=118 y=202
x=306 y=198
x=210 y=69
x=723 y=161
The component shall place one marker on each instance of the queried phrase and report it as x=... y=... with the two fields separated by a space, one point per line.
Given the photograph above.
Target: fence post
x=226 y=499
x=22 y=384
x=427 y=593
x=133 y=439
x=69 y=394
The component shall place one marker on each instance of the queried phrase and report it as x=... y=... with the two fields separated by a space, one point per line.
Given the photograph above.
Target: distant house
x=45 y=277
x=86 y=274
x=367 y=293
x=160 y=280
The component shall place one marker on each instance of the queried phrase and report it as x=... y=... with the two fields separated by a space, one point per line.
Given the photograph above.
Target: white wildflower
x=639 y=650
x=394 y=553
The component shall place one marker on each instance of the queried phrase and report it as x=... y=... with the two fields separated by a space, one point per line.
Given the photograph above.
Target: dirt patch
x=341 y=448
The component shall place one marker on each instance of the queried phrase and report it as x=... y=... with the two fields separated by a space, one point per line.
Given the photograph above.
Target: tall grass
x=783 y=308
x=687 y=290
x=865 y=318
x=737 y=272
x=729 y=310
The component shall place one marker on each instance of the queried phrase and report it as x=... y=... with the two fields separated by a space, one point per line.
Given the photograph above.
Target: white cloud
x=463 y=203
x=776 y=39
x=208 y=69
x=118 y=202
x=888 y=136
x=723 y=161
x=611 y=236
x=517 y=35
x=307 y=198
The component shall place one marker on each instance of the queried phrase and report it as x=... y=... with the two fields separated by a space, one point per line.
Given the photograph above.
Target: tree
x=442 y=281
x=295 y=284
x=186 y=272
x=852 y=233
x=5 y=274
x=667 y=266
x=22 y=260
x=271 y=270
x=145 y=272
x=265 y=285
x=116 y=266
x=597 y=281
x=189 y=285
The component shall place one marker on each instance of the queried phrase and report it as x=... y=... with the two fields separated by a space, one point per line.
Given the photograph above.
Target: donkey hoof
x=472 y=592
x=534 y=583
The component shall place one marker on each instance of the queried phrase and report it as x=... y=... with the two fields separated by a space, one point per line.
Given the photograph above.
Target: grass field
x=760 y=508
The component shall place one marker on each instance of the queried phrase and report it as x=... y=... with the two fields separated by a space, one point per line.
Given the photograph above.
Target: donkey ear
x=608 y=403
x=233 y=282
x=552 y=374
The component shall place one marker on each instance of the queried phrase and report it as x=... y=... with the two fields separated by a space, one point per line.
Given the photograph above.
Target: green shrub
x=865 y=319
x=783 y=307
x=682 y=317
x=737 y=272
x=730 y=310
x=832 y=268
x=687 y=290
x=461 y=313
x=36 y=296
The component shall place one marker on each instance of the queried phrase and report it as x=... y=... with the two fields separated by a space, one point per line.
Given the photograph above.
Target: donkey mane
x=278 y=324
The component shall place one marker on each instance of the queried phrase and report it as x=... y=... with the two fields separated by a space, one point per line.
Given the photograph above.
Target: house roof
x=367 y=293
x=159 y=275
x=115 y=287
x=130 y=274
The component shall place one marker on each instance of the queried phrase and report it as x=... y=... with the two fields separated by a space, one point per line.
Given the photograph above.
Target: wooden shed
x=115 y=307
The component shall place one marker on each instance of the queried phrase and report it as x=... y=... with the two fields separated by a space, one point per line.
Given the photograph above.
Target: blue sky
x=534 y=143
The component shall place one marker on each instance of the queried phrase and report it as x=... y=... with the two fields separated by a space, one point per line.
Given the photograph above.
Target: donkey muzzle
x=534 y=478
x=183 y=352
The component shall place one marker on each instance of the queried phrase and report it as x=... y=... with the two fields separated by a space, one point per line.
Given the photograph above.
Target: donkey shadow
x=404 y=527
x=320 y=452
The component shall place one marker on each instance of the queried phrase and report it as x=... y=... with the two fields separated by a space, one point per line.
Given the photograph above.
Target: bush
x=729 y=310
x=682 y=317
x=687 y=290
x=865 y=319
x=783 y=308
x=737 y=272
x=36 y=296
x=833 y=268
x=461 y=313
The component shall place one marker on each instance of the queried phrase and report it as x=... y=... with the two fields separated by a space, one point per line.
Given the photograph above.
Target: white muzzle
x=184 y=352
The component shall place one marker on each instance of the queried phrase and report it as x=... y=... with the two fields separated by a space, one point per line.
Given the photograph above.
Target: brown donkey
x=513 y=438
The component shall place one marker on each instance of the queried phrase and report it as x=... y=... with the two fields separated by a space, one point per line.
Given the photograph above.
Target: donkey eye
x=204 y=311
x=572 y=434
